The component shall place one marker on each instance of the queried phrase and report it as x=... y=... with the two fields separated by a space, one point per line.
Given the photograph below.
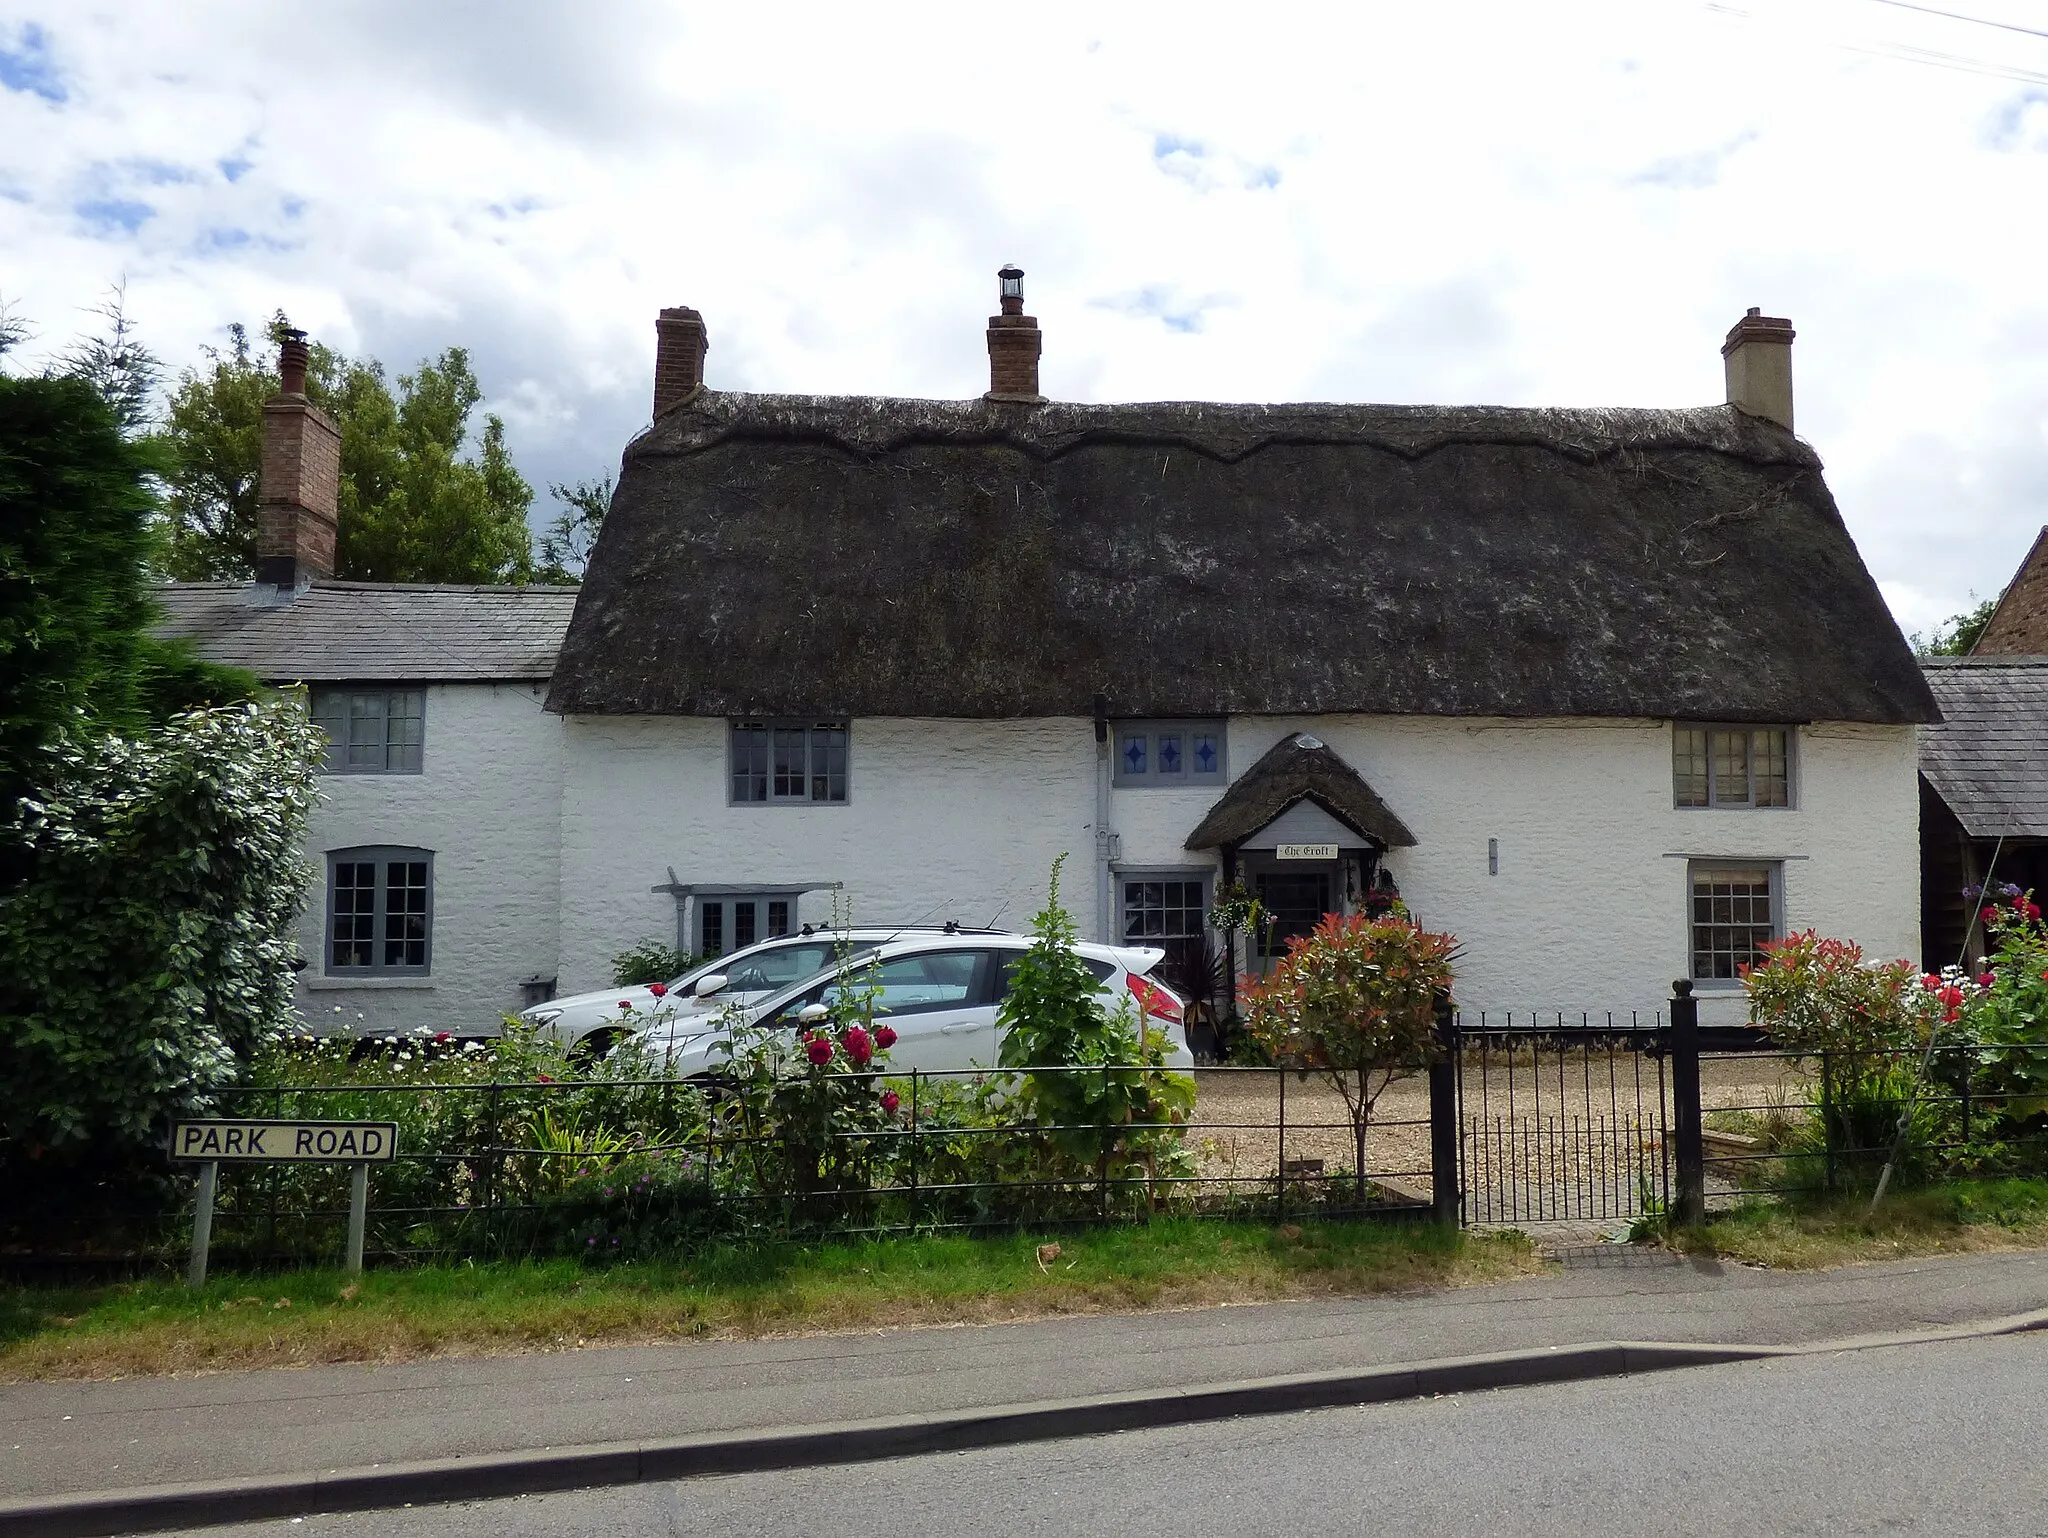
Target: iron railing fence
x=632 y=1166
x=1779 y=1124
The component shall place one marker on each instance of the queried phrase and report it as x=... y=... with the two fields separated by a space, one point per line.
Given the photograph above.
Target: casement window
x=1734 y=908
x=733 y=922
x=1165 y=907
x=1731 y=766
x=376 y=730
x=789 y=763
x=380 y=912
x=1167 y=753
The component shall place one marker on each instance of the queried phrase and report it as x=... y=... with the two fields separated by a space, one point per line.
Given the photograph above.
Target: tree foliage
x=1957 y=637
x=150 y=952
x=565 y=547
x=418 y=502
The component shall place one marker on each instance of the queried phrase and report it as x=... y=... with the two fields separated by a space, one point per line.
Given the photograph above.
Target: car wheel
x=595 y=1047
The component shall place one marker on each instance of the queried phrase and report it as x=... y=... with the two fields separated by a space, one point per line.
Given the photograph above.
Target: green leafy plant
x=650 y=962
x=1354 y=1001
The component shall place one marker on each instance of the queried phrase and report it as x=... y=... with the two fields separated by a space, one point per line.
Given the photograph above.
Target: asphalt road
x=1916 y=1439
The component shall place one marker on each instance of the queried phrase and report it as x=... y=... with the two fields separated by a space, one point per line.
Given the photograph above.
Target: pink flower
x=659 y=990
x=885 y=1036
x=818 y=1049
x=890 y=1100
x=860 y=1046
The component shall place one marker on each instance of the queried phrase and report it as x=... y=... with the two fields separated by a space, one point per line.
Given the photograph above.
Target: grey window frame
x=1151 y=777
x=338 y=749
x=1714 y=800
x=383 y=856
x=812 y=770
x=1775 y=872
x=764 y=916
x=1204 y=875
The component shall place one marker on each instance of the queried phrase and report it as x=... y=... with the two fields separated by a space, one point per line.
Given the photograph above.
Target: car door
x=938 y=1004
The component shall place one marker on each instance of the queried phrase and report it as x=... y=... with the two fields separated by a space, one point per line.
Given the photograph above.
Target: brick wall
x=2019 y=628
x=300 y=495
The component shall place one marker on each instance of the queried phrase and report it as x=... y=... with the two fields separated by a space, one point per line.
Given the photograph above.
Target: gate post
x=1445 y=1145
x=1691 y=1204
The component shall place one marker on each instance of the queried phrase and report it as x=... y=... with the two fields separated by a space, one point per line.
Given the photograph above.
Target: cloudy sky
x=1463 y=201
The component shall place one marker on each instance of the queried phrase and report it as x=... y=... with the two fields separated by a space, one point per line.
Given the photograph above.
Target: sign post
x=210 y=1143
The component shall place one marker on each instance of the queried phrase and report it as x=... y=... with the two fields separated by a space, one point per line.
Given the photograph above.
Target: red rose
x=626 y=1004
x=860 y=1046
x=1993 y=918
x=890 y=1100
x=444 y=1036
x=885 y=1037
x=818 y=1049
x=1930 y=982
x=1985 y=979
x=1950 y=996
x=659 y=990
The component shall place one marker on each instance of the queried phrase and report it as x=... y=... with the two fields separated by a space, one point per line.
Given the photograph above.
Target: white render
x=487 y=801
x=962 y=819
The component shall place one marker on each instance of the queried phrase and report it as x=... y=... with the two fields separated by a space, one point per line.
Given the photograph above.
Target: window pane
x=1731 y=768
x=743 y=925
x=1773 y=769
x=782 y=966
x=354 y=915
x=402 y=721
x=330 y=714
x=1205 y=753
x=939 y=980
x=1689 y=765
x=1133 y=755
x=778 y=917
x=1168 y=747
x=1162 y=909
x=366 y=731
x=789 y=784
x=1731 y=919
x=749 y=761
x=828 y=763
x=711 y=927
x=405 y=913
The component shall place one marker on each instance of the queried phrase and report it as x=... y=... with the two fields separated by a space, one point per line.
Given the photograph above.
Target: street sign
x=219 y=1141
x=1305 y=852
x=286 y=1142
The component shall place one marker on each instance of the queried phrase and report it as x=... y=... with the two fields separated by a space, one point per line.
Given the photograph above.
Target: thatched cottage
x=1609 y=693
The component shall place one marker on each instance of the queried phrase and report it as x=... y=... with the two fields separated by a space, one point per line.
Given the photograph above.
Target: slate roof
x=372 y=631
x=792 y=555
x=1988 y=759
x=1299 y=768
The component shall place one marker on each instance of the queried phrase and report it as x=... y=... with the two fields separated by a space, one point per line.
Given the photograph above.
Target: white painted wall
x=962 y=820
x=488 y=802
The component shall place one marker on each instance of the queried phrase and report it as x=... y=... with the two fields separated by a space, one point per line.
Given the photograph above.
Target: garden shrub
x=650 y=962
x=149 y=954
x=1354 y=1001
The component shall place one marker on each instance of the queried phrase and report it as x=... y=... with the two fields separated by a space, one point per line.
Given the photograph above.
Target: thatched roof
x=799 y=555
x=1299 y=768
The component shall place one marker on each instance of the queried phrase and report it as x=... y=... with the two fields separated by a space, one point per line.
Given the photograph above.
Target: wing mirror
x=811 y=1014
x=709 y=984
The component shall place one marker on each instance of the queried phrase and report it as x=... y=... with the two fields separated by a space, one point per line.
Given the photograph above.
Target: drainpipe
x=1105 y=841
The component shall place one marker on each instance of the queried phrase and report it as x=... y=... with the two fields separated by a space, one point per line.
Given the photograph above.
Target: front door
x=1295 y=902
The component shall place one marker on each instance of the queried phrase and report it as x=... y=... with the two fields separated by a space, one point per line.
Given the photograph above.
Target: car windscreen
x=773 y=966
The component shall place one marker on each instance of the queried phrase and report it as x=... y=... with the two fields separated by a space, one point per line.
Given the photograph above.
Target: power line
x=1980 y=21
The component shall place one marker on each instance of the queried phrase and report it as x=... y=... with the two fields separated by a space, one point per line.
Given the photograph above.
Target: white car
x=746 y=976
x=939 y=993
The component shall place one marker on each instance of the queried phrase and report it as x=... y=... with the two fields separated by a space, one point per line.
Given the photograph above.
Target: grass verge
x=304 y=1317
x=1951 y=1218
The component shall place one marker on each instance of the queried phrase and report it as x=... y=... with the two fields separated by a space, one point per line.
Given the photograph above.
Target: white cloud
x=1467 y=201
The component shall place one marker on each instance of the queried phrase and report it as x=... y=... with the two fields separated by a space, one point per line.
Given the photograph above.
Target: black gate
x=1562 y=1120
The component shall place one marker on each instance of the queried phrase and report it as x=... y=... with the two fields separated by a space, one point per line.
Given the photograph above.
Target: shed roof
x=1300 y=767
x=373 y=631
x=1988 y=758
x=798 y=554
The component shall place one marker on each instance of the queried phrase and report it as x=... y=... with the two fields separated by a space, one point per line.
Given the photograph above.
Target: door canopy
x=1299 y=768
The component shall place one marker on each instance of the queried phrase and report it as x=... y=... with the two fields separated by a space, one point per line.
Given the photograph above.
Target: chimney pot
x=1014 y=344
x=1757 y=359
x=680 y=342
x=298 y=498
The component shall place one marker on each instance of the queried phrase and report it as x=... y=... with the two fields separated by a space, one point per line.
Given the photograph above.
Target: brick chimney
x=1013 y=344
x=680 y=342
x=299 y=491
x=1758 y=358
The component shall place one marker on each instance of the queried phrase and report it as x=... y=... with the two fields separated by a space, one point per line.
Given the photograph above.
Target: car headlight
x=543 y=1016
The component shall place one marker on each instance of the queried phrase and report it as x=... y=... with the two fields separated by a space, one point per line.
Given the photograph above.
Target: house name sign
x=1305 y=852
x=297 y=1142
